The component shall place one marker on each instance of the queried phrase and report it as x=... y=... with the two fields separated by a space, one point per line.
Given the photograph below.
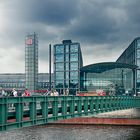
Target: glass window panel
x=138 y=53
x=59 y=57
x=59 y=83
x=67 y=48
x=138 y=43
x=138 y=62
x=74 y=75
x=73 y=83
x=74 y=57
x=67 y=66
x=67 y=57
x=73 y=66
x=59 y=49
x=59 y=66
x=67 y=75
x=74 y=48
x=67 y=83
x=138 y=73
x=59 y=75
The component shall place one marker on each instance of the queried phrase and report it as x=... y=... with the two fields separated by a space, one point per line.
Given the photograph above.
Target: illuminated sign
x=29 y=41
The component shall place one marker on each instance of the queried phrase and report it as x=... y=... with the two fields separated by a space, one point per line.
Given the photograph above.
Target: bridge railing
x=17 y=112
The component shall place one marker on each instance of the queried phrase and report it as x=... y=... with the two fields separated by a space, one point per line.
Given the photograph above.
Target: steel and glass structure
x=31 y=62
x=109 y=76
x=132 y=56
x=67 y=63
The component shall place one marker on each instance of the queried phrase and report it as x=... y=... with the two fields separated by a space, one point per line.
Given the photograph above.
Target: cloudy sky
x=104 y=28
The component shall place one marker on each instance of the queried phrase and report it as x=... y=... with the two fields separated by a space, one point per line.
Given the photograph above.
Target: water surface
x=73 y=132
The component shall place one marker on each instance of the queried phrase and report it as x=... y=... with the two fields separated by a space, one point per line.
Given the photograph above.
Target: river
x=73 y=132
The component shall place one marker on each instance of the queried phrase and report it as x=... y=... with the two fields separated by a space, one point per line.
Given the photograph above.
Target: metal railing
x=17 y=112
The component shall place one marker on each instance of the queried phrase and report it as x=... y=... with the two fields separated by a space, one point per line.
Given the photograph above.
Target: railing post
x=86 y=105
x=96 y=104
x=55 y=107
x=91 y=105
x=3 y=113
x=45 y=109
x=101 y=103
x=79 y=105
x=64 y=107
x=19 y=111
x=33 y=110
x=113 y=103
x=106 y=104
x=72 y=106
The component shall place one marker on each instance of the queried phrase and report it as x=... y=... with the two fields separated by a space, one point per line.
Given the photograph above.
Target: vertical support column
x=86 y=105
x=79 y=106
x=55 y=108
x=101 y=103
x=3 y=113
x=72 y=106
x=45 y=109
x=91 y=105
x=110 y=103
x=96 y=104
x=117 y=104
x=33 y=110
x=64 y=107
x=19 y=111
x=106 y=104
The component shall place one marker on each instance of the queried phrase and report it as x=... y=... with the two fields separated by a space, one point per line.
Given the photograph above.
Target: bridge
x=37 y=110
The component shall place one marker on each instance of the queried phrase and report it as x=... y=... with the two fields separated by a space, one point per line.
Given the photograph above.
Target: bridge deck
x=41 y=110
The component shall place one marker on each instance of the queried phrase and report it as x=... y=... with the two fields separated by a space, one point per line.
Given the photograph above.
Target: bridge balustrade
x=17 y=112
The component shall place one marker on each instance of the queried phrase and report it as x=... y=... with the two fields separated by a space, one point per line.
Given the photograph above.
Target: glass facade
x=132 y=56
x=31 y=62
x=67 y=64
x=108 y=76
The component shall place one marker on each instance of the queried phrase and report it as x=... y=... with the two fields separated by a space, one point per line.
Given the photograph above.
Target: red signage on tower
x=29 y=41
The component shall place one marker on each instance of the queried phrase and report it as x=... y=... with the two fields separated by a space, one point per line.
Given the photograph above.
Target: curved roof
x=101 y=67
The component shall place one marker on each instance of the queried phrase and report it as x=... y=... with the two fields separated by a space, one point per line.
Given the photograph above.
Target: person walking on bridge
x=26 y=93
x=14 y=92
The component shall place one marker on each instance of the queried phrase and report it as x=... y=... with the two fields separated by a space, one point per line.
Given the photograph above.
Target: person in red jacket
x=26 y=93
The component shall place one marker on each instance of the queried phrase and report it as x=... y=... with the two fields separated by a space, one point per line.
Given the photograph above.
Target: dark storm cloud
x=90 y=21
x=101 y=26
x=52 y=12
x=106 y=22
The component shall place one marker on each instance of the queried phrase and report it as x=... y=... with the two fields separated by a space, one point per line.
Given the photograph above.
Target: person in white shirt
x=14 y=92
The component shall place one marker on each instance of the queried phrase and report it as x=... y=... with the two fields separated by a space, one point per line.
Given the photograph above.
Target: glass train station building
x=132 y=56
x=110 y=77
x=121 y=77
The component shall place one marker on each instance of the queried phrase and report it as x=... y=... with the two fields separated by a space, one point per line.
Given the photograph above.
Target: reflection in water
x=73 y=132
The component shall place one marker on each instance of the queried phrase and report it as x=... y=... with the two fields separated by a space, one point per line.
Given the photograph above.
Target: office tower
x=31 y=62
x=67 y=63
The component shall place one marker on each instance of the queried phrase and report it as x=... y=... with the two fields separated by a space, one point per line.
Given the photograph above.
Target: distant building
x=132 y=56
x=17 y=80
x=31 y=62
x=67 y=63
